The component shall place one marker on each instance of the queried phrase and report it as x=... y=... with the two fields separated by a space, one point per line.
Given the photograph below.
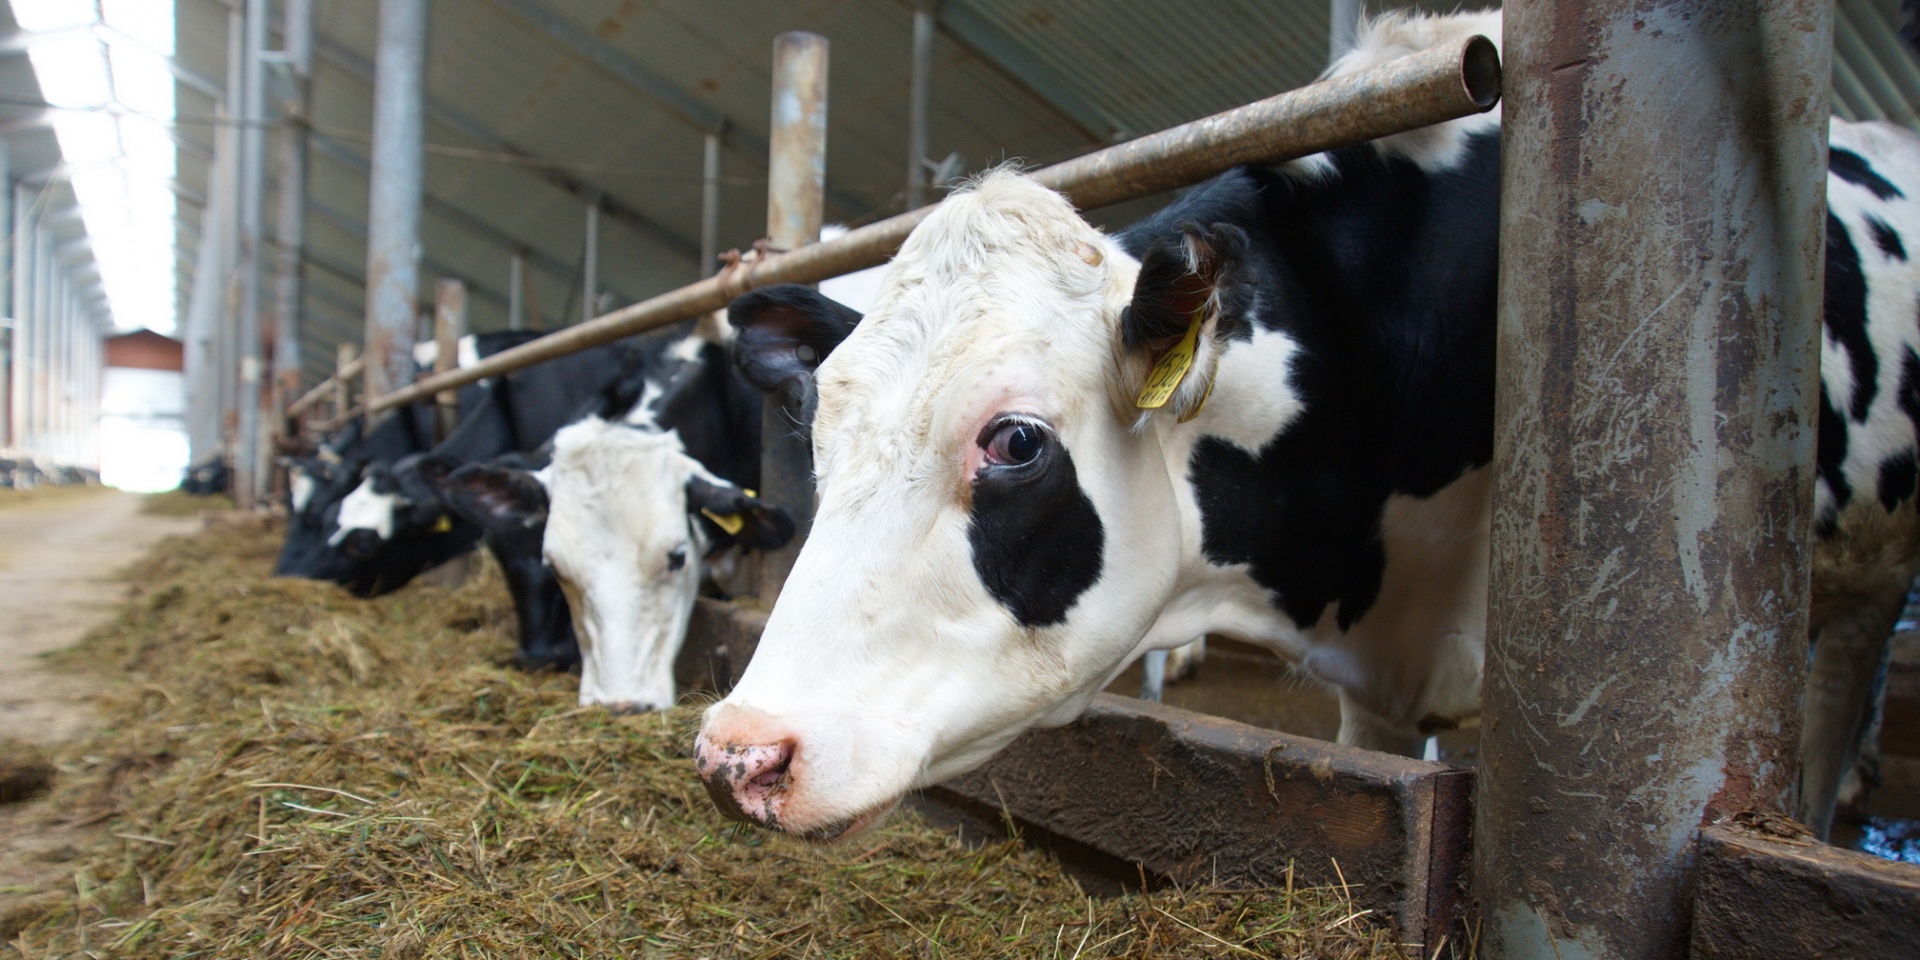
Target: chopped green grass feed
x=287 y=771
x=179 y=503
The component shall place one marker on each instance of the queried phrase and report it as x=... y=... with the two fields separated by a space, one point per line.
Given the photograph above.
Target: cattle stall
x=1399 y=829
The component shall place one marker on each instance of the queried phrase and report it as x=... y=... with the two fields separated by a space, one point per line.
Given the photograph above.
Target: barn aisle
x=58 y=559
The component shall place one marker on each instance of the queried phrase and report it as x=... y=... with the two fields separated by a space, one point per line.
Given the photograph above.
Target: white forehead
x=614 y=484
x=366 y=509
x=299 y=488
x=1002 y=280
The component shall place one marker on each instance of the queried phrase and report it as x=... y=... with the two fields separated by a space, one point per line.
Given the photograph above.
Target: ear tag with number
x=732 y=523
x=1172 y=367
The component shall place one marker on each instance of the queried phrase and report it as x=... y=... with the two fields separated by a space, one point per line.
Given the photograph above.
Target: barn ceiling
x=537 y=106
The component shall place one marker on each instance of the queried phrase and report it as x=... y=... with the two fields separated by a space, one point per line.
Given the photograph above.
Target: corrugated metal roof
x=614 y=97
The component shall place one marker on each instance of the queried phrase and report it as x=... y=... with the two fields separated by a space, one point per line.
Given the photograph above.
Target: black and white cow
x=1009 y=510
x=390 y=526
x=638 y=497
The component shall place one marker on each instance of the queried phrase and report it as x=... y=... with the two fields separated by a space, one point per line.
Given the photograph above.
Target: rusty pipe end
x=1480 y=72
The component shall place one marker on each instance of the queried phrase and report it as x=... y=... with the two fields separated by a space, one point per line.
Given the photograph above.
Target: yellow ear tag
x=732 y=523
x=443 y=525
x=1172 y=367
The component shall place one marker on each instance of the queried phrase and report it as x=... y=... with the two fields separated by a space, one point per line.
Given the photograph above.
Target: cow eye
x=676 y=558
x=1012 y=443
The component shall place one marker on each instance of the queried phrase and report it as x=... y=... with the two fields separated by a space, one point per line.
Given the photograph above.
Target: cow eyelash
x=1014 y=442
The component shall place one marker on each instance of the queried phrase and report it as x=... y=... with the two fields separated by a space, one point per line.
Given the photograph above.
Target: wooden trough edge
x=1761 y=897
x=1183 y=797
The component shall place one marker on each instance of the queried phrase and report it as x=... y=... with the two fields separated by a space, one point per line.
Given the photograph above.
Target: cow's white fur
x=299 y=488
x=617 y=508
x=366 y=509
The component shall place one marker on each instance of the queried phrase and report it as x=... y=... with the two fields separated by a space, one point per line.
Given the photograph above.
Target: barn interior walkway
x=58 y=559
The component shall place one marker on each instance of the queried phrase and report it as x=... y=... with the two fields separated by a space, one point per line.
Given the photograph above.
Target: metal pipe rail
x=1415 y=91
x=324 y=389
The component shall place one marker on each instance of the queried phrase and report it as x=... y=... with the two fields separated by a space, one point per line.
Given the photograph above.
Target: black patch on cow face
x=1854 y=169
x=1036 y=537
x=1886 y=238
x=1846 y=316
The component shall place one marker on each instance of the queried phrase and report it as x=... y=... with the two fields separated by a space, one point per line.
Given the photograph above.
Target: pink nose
x=745 y=780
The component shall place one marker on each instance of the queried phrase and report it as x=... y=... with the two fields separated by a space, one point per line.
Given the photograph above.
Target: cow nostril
x=776 y=773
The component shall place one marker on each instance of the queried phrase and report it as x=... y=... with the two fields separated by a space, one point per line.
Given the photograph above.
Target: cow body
x=1008 y=513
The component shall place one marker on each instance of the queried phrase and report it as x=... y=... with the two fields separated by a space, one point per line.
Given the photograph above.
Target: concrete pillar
x=247 y=460
x=796 y=190
x=1660 y=294
x=393 y=215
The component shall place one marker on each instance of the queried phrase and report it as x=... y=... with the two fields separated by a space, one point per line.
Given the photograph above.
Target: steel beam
x=21 y=297
x=393 y=215
x=348 y=224
x=291 y=231
x=553 y=173
x=590 y=266
x=710 y=205
x=919 y=102
x=247 y=459
x=1028 y=72
x=1663 y=196
x=458 y=217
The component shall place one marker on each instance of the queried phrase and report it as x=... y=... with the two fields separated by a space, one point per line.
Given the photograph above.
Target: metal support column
x=590 y=266
x=1343 y=26
x=517 y=292
x=20 y=304
x=919 y=101
x=292 y=220
x=1660 y=294
x=6 y=299
x=393 y=215
x=796 y=190
x=710 y=206
x=247 y=457
x=449 y=325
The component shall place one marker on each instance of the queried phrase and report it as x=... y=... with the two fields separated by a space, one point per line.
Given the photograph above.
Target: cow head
x=315 y=487
x=630 y=519
x=997 y=526
x=508 y=502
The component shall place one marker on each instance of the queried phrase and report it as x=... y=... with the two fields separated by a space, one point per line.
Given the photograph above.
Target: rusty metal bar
x=710 y=205
x=1415 y=91
x=516 y=292
x=1659 y=315
x=291 y=229
x=394 y=189
x=248 y=453
x=590 y=265
x=449 y=325
x=347 y=365
x=796 y=193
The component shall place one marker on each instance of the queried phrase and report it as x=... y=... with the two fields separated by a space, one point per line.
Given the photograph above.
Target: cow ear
x=1184 y=303
x=435 y=469
x=782 y=332
x=495 y=497
x=732 y=516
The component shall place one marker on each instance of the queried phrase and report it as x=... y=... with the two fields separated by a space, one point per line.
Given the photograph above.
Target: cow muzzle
x=747 y=781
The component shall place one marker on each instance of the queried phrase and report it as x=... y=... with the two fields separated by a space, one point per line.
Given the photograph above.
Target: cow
x=390 y=525
x=639 y=496
x=1264 y=412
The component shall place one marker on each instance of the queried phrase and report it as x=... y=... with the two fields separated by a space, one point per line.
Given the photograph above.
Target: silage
x=287 y=771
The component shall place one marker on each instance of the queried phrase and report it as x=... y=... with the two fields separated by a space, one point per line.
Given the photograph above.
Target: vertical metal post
x=710 y=206
x=449 y=325
x=590 y=267
x=292 y=220
x=517 y=292
x=919 y=97
x=7 y=335
x=20 y=305
x=45 y=296
x=796 y=190
x=1343 y=26
x=393 y=216
x=1660 y=293
x=253 y=160
x=343 y=356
